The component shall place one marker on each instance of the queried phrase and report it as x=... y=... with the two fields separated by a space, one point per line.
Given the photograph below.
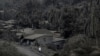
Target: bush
x=9 y=36
x=7 y=49
x=79 y=46
x=56 y=54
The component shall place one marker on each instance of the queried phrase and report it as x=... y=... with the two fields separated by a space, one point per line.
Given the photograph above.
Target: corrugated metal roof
x=57 y=39
x=42 y=31
x=8 y=26
x=35 y=36
x=18 y=34
x=10 y=21
x=27 y=31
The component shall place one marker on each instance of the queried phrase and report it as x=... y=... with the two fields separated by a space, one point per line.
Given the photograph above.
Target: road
x=27 y=51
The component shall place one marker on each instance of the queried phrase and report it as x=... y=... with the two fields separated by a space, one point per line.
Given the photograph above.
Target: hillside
x=66 y=16
x=77 y=22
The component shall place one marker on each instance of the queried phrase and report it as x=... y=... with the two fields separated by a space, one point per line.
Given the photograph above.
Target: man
x=39 y=49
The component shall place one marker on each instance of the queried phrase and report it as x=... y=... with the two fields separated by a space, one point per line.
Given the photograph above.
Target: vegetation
x=69 y=17
x=6 y=49
x=8 y=35
x=80 y=45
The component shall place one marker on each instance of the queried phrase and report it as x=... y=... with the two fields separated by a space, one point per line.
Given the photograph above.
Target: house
x=8 y=26
x=10 y=22
x=24 y=31
x=1 y=11
x=38 y=37
x=57 y=43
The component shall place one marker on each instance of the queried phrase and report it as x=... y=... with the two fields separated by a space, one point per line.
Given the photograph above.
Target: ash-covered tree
x=29 y=14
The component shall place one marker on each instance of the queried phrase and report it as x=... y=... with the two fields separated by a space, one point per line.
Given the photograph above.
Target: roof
x=57 y=39
x=10 y=21
x=42 y=31
x=1 y=11
x=57 y=35
x=27 y=31
x=19 y=34
x=8 y=26
x=53 y=31
x=14 y=30
x=35 y=36
x=30 y=31
x=3 y=24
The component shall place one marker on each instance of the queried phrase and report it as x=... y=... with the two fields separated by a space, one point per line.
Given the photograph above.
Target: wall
x=45 y=40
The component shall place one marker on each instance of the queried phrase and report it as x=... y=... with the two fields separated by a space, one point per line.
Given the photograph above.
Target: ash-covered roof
x=42 y=31
x=27 y=31
x=8 y=26
x=37 y=33
x=57 y=39
x=35 y=36
x=10 y=21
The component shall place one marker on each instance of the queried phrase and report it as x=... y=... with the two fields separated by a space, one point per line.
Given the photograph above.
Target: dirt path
x=26 y=51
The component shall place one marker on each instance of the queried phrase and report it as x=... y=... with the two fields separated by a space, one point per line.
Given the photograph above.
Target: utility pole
x=59 y=21
x=93 y=21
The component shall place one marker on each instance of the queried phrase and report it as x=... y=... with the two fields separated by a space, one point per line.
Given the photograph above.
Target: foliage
x=7 y=49
x=9 y=35
x=72 y=16
x=80 y=46
x=68 y=17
